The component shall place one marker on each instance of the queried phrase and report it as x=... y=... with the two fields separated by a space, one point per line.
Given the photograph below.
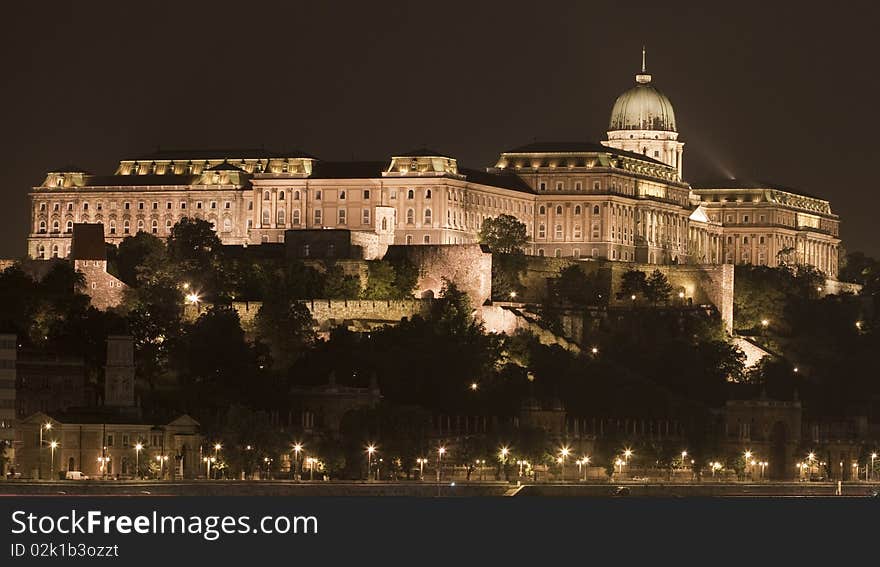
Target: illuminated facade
x=623 y=199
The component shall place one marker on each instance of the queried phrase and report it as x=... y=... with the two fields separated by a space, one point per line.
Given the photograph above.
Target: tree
x=633 y=283
x=657 y=288
x=133 y=252
x=387 y=280
x=506 y=271
x=194 y=247
x=504 y=234
x=338 y=285
x=285 y=325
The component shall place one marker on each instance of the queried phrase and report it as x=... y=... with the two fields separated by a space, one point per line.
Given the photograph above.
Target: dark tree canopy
x=504 y=234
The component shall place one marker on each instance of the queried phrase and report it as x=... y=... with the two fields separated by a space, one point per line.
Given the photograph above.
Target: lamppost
x=440 y=452
x=480 y=463
x=161 y=459
x=563 y=454
x=748 y=457
x=503 y=454
x=619 y=463
x=370 y=450
x=208 y=461
x=627 y=453
x=138 y=447
x=52 y=445
x=47 y=426
x=873 y=456
x=297 y=447
x=683 y=455
x=421 y=461
x=586 y=461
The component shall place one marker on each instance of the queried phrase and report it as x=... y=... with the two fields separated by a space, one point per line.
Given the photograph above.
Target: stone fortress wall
x=701 y=284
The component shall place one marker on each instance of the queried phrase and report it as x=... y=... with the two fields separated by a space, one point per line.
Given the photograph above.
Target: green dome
x=642 y=108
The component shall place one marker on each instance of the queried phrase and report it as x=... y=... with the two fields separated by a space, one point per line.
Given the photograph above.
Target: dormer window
x=59 y=181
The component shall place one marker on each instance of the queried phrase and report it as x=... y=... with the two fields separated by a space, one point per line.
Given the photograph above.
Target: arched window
x=296 y=195
x=558 y=209
x=55 y=226
x=126 y=227
x=296 y=216
x=577 y=210
x=69 y=227
x=410 y=194
x=410 y=216
x=42 y=228
x=542 y=210
x=54 y=250
x=558 y=253
x=227 y=225
x=154 y=227
x=279 y=217
x=168 y=225
x=41 y=252
x=266 y=196
x=384 y=223
x=112 y=227
x=140 y=225
x=542 y=231
x=595 y=209
x=427 y=193
x=281 y=195
x=427 y=216
x=558 y=231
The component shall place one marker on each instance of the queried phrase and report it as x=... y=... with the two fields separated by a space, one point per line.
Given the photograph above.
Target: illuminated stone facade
x=621 y=200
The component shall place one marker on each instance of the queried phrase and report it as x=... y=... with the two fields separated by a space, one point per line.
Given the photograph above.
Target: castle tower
x=119 y=372
x=643 y=122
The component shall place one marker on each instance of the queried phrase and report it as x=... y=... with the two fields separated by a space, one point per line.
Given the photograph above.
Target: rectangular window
x=140 y=205
x=559 y=185
x=365 y=217
x=155 y=205
x=227 y=205
x=198 y=204
x=168 y=205
x=213 y=204
x=542 y=186
x=126 y=205
x=318 y=216
x=183 y=204
x=318 y=195
x=366 y=194
x=341 y=216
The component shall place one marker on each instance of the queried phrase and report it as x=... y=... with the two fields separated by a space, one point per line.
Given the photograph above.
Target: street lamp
x=421 y=461
x=683 y=455
x=370 y=450
x=47 y=426
x=748 y=457
x=594 y=350
x=873 y=456
x=297 y=447
x=474 y=386
x=208 y=461
x=440 y=452
x=161 y=459
x=137 y=458
x=563 y=454
x=512 y=295
x=53 y=445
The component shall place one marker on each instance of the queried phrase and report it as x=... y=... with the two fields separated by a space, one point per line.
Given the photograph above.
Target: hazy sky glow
x=760 y=91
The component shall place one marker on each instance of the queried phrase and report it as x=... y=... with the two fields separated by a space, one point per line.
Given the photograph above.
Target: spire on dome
x=643 y=77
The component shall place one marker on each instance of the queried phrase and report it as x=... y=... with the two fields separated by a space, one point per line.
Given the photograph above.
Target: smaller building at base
x=103 y=444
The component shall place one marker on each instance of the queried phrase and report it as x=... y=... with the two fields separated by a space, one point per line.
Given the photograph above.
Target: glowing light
x=192 y=297
x=371 y=449
x=474 y=386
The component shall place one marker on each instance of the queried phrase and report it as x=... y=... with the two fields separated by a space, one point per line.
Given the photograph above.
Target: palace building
x=623 y=199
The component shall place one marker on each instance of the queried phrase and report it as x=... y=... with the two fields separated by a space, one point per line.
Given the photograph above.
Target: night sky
x=782 y=94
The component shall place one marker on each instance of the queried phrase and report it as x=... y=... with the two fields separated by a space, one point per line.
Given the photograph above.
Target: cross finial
x=643 y=59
